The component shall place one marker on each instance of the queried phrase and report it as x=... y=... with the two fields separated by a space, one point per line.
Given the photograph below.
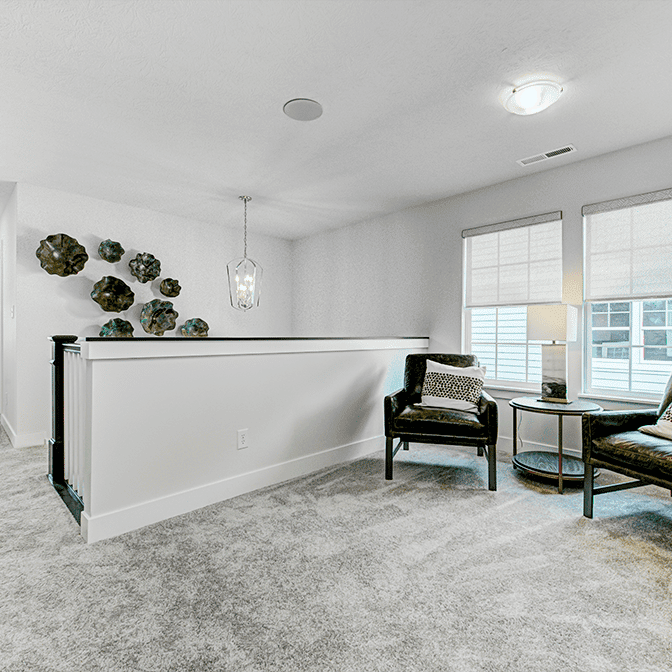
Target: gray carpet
x=343 y=571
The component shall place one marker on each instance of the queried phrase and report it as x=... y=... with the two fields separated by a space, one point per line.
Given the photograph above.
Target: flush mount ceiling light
x=244 y=275
x=532 y=97
x=302 y=109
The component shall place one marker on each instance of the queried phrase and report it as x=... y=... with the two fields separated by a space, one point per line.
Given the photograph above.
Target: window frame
x=627 y=292
x=525 y=222
x=635 y=343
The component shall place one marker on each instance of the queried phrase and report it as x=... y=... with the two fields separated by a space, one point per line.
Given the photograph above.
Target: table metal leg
x=560 y=454
x=515 y=432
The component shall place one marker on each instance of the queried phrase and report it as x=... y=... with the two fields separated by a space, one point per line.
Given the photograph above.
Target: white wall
x=305 y=405
x=371 y=279
x=193 y=252
x=412 y=260
x=7 y=321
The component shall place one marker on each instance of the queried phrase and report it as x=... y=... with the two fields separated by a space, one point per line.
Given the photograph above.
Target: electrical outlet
x=242 y=439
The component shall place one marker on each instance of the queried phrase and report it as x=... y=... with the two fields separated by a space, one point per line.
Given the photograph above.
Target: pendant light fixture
x=244 y=275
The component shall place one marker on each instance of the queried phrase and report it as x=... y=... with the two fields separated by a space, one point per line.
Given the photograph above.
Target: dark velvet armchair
x=410 y=423
x=611 y=440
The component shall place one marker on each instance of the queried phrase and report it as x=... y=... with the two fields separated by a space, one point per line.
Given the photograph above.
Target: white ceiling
x=176 y=105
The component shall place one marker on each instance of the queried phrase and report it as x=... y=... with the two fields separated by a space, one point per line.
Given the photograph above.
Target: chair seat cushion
x=649 y=454
x=442 y=421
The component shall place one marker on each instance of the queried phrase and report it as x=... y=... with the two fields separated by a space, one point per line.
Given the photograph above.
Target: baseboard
x=97 y=528
x=22 y=440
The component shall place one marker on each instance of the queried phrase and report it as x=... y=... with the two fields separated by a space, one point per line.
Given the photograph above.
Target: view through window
x=630 y=345
x=499 y=340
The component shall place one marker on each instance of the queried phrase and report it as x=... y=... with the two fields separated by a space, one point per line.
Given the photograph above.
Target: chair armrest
x=597 y=424
x=487 y=415
x=393 y=404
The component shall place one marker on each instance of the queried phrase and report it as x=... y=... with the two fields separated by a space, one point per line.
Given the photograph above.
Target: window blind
x=518 y=262
x=628 y=247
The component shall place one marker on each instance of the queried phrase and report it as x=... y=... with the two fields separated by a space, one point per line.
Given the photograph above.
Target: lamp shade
x=552 y=322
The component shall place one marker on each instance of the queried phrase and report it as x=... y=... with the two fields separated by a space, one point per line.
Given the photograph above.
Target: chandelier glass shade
x=244 y=276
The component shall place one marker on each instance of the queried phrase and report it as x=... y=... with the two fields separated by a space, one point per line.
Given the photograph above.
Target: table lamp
x=553 y=323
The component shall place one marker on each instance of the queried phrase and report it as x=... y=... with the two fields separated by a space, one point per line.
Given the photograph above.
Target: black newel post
x=56 y=443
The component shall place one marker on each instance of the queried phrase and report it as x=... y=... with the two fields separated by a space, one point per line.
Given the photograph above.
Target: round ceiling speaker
x=303 y=109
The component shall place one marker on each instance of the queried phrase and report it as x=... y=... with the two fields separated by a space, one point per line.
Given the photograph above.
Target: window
x=499 y=340
x=656 y=316
x=627 y=285
x=629 y=351
x=507 y=267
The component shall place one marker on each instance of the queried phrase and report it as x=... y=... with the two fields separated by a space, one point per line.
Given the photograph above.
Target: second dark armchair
x=408 y=421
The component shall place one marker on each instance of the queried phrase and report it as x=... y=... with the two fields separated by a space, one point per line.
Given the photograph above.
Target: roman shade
x=627 y=248
x=517 y=262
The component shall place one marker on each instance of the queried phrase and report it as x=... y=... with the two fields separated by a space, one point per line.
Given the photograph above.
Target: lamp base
x=554 y=400
x=554 y=373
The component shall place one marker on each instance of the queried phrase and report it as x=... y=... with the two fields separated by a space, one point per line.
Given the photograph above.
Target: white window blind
x=514 y=263
x=628 y=247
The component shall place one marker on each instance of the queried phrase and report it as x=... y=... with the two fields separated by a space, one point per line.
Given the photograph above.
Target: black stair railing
x=56 y=473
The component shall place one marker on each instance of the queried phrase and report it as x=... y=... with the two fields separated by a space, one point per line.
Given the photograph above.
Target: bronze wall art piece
x=145 y=267
x=170 y=287
x=111 y=251
x=117 y=328
x=60 y=254
x=158 y=316
x=112 y=294
x=195 y=328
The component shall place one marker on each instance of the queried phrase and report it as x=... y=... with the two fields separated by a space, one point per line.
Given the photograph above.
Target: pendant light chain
x=245 y=199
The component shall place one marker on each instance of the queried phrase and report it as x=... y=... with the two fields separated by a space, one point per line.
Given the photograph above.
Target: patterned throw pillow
x=455 y=387
x=663 y=428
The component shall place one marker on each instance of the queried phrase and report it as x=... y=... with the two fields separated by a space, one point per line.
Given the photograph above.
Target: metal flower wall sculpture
x=60 y=254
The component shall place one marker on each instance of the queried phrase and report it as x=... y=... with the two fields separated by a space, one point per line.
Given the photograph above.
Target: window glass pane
x=635 y=360
x=511 y=363
x=619 y=320
x=655 y=337
x=499 y=340
x=651 y=319
x=658 y=354
x=605 y=336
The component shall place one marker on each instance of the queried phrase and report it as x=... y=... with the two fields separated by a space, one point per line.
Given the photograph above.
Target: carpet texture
x=343 y=571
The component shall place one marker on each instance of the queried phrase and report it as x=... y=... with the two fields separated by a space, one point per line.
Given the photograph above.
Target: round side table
x=545 y=464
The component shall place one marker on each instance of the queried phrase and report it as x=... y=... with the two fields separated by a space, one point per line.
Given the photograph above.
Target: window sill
x=621 y=400
x=513 y=389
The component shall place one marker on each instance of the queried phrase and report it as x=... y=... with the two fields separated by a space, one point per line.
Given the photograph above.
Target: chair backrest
x=667 y=398
x=414 y=373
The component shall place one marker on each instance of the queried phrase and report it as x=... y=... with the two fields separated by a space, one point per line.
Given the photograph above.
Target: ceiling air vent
x=546 y=155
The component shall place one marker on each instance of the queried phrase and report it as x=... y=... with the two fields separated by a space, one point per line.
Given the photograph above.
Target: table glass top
x=576 y=407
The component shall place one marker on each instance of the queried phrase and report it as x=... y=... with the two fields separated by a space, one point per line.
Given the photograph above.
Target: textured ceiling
x=176 y=105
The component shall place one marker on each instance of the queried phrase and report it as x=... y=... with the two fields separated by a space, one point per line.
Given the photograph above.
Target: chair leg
x=588 y=491
x=479 y=451
x=404 y=445
x=388 y=458
x=492 y=467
